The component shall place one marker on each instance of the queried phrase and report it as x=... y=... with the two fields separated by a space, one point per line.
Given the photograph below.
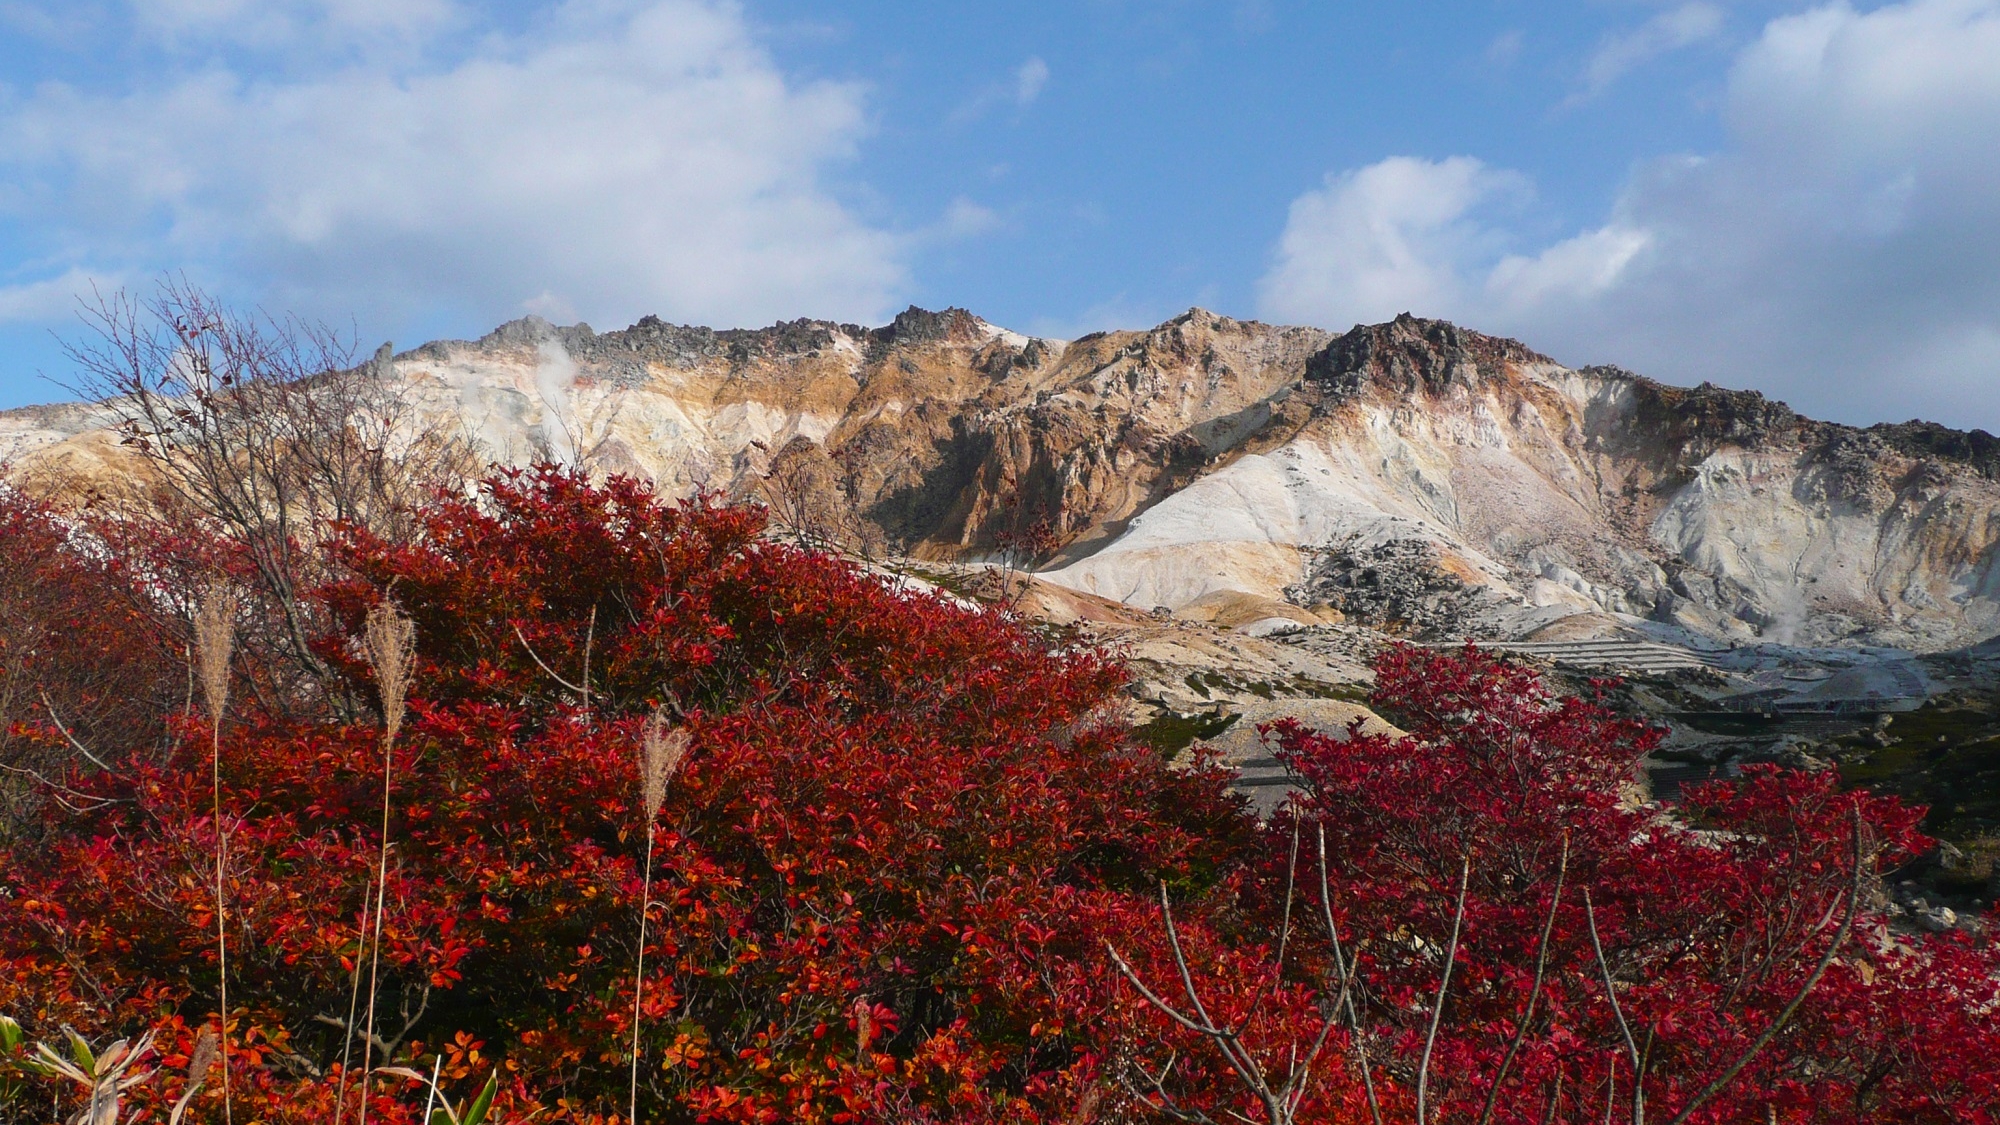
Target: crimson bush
x=894 y=803
x=889 y=869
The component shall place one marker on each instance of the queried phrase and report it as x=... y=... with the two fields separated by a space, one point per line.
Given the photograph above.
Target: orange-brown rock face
x=1413 y=475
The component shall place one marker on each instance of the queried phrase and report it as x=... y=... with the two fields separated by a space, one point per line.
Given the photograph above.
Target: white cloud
x=1395 y=236
x=1026 y=85
x=1585 y=266
x=1842 y=249
x=1115 y=313
x=48 y=23
x=1029 y=81
x=53 y=298
x=1669 y=31
x=301 y=24
x=620 y=159
x=964 y=218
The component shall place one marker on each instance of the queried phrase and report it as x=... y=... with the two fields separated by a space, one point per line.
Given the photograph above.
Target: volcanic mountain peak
x=1411 y=355
x=1412 y=475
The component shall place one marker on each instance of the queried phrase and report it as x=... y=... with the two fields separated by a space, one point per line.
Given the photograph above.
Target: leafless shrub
x=263 y=430
x=1281 y=1094
x=815 y=498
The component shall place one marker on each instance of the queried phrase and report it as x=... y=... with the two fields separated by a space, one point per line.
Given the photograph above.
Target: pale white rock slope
x=1411 y=476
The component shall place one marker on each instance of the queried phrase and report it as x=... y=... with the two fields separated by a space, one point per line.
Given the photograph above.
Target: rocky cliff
x=1413 y=476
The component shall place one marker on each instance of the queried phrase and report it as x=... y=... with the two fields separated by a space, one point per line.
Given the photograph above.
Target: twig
x=1285 y=926
x=1534 y=994
x=1624 y=1029
x=71 y=738
x=353 y=1007
x=1347 y=970
x=65 y=791
x=352 y=1031
x=584 y=692
x=1555 y=1100
x=1444 y=983
x=1224 y=1038
x=589 y=637
x=1722 y=1081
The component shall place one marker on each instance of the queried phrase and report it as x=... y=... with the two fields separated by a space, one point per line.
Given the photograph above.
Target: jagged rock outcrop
x=1517 y=493
x=1413 y=475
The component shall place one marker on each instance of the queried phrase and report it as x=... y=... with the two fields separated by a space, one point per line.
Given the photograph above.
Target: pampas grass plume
x=661 y=752
x=390 y=641
x=214 y=637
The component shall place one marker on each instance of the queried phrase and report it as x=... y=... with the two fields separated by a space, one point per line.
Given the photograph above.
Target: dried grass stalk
x=214 y=637
x=661 y=752
x=390 y=641
x=203 y=1057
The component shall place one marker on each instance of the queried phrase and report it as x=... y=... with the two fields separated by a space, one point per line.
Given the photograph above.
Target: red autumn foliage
x=1713 y=923
x=75 y=652
x=887 y=872
x=890 y=797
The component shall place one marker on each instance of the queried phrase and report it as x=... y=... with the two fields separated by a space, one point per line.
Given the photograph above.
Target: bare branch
x=1225 y=1039
x=1534 y=994
x=1444 y=985
x=1555 y=1100
x=1722 y=1081
x=71 y=738
x=1346 y=969
x=1285 y=925
x=1153 y=998
x=583 y=692
x=1624 y=1029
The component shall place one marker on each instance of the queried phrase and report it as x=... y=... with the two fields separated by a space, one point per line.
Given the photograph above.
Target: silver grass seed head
x=660 y=754
x=214 y=637
x=389 y=640
x=203 y=1055
x=864 y=1025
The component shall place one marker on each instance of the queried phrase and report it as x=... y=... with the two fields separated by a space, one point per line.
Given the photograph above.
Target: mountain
x=1415 y=477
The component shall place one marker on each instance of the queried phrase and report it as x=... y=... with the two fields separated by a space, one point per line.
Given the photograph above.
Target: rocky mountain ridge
x=1414 y=476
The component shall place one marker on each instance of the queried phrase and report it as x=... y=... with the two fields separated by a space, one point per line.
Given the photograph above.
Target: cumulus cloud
x=1842 y=249
x=1397 y=235
x=618 y=159
x=1669 y=31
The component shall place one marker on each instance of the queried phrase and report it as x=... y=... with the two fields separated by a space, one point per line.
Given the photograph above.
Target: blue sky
x=1797 y=197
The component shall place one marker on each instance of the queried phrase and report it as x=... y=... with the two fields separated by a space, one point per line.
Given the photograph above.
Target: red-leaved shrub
x=1754 y=976
x=893 y=804
x=891 y=869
